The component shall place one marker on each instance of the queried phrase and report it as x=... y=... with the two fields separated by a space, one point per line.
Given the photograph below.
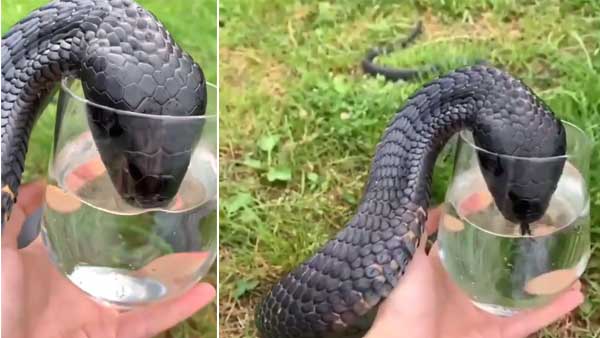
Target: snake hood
x=126 y=60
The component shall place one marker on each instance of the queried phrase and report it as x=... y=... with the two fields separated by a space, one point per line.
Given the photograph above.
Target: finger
x=92 y=330
x=31 y=196
x=409 y=290
x=434 y=255
x=20 y=231
x=151 y=321
x=524 y=324
x=13 y=227
x=475 y=202
x=436 y=264
x=434 y=252
x=433 y=220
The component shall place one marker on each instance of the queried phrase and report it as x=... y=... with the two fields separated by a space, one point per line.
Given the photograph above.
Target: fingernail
x=30 y=229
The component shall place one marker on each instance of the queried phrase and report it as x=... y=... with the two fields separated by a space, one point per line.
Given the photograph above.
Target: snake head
x=143 y=124
x=146 y=156
x=522 y=169
x=132 y=66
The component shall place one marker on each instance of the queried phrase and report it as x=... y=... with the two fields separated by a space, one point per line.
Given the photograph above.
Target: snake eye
x=134 y=171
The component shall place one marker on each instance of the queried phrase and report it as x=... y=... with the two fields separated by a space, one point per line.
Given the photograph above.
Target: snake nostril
x=522 y=207
x=115 y=131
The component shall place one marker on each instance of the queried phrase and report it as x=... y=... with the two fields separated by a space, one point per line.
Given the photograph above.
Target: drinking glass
x=121 y=253
x=500 y=269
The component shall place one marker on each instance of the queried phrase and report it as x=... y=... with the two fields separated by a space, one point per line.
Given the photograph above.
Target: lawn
x=299 y=121
x=193 y=25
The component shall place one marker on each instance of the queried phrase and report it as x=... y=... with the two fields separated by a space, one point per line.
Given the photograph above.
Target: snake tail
x=395 y=74
x=333 y=293
x=126 y=60
x=370 y=67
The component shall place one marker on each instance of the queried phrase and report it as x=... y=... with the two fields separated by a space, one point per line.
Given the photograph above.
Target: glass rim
x=582 y=135
x=64 y=84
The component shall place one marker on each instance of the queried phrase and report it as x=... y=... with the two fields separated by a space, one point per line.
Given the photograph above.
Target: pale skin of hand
x=427 y=304
x=38 y=301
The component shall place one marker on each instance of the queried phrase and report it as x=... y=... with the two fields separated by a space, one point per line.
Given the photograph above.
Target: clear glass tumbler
x=121 y=253
x=501 y=270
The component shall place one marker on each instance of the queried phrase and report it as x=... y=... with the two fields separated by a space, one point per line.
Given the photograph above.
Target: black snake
x=337 y=291
x=126 y=60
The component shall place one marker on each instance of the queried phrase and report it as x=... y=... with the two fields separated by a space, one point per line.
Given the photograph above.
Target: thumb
x=418 y=281
x=524 y=324
x=433 y=220
x=31 y=197
x=150 y=321
x=11 y=230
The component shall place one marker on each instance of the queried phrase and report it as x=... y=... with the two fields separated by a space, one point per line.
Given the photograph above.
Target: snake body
x=336 y=292
x=126 y=60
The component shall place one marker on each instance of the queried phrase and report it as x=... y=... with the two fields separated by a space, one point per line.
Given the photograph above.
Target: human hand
x=426 y=303
x=38 y=301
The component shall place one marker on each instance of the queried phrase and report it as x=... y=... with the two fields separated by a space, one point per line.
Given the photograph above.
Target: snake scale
x=126 y=60
x=336 y=292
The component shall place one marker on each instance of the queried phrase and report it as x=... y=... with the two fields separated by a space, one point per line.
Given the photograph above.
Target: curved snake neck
x=125 y=59
x=335 y=291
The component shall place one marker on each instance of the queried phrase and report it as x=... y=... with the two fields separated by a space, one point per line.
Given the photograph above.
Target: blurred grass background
x=299 y=121
x=193 y=24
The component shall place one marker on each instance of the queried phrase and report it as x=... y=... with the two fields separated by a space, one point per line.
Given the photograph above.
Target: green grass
x=193 y=25
x=299 y=121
